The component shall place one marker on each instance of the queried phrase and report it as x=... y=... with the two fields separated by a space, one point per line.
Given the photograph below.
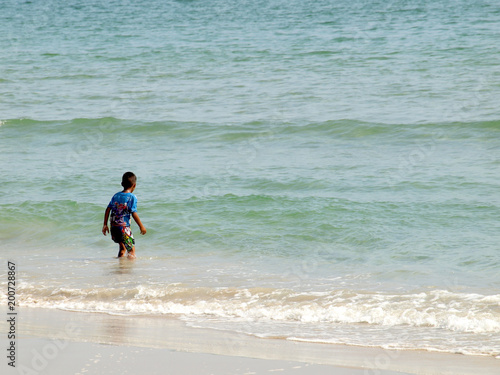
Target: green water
x=345 y=154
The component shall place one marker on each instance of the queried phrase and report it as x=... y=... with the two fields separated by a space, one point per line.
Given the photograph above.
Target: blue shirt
x=122 y=205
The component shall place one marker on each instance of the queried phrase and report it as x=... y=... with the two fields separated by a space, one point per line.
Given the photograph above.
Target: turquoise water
x=320 y=171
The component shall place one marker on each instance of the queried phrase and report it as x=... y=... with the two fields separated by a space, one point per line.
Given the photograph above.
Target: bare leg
x=131 y=254
x=121 y=251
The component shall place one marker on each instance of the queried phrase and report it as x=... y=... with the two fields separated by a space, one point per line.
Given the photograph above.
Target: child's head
x=128 y=180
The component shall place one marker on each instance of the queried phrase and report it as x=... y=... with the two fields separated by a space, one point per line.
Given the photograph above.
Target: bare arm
x=135 y=215
x=106 y=217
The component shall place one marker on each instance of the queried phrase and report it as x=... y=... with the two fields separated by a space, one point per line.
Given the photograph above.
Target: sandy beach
x=59 y=342
x=316 y=181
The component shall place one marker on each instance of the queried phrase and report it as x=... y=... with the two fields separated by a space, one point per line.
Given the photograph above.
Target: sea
x=321 y=171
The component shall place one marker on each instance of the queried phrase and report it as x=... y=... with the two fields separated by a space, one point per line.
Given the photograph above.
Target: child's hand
x=105 y=229
x=143 y=230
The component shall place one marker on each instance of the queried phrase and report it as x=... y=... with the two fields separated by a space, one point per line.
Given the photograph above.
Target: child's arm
x=135 y=215
x=106 y=217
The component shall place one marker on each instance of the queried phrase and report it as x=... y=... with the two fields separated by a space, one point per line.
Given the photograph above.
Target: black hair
x=128 y=180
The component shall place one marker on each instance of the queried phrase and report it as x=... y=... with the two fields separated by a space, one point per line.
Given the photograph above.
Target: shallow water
x=306 y=170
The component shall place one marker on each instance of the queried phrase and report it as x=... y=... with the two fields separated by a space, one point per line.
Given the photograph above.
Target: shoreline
x=161 y=339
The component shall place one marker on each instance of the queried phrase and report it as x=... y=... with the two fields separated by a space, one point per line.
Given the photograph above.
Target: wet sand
x=60 y=342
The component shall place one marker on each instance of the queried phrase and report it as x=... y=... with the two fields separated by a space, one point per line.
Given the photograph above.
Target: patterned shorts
x=123 y=235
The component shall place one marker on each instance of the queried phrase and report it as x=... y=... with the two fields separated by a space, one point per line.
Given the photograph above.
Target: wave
x=261 y=130
x=445 y=310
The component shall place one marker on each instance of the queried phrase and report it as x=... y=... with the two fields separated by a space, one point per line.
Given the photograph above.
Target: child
x=121 y=206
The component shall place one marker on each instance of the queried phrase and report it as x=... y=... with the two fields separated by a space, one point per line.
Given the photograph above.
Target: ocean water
x=321 y=171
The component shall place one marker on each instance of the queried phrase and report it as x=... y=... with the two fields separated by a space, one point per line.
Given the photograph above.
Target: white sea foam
x=441 y=309
x=439 y=320
x=349 y=213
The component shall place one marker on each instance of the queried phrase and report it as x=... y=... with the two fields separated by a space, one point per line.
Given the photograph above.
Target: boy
x=121 y=206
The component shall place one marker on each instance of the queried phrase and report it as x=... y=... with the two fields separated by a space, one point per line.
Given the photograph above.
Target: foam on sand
x=79 y=333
